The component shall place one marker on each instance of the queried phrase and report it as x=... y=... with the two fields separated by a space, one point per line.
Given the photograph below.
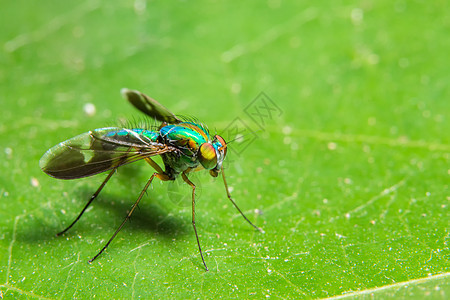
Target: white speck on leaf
x=89 y=109
x=287 y=130
x=357 y=16
x=8 y=152
x=34 y=182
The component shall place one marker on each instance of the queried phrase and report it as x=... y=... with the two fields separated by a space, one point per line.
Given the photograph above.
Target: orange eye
x=223 y=143
x=207 y=156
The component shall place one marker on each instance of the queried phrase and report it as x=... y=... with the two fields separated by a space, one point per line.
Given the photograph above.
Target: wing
x=150 y=106
x=99 y=150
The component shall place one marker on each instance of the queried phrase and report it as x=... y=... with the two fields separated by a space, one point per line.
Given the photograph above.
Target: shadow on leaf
x=149 y=216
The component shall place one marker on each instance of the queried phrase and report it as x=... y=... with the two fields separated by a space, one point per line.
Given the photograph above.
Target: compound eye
x=223 y=147
x=207 y=156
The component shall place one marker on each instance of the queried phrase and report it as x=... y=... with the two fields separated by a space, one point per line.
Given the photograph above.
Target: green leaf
x=343 y=159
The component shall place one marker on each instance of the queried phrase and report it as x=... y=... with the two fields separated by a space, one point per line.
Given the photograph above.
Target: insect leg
x=186 y=179
x=154 y=165
x=160 y=176
x=89 y=202
x=235 y=205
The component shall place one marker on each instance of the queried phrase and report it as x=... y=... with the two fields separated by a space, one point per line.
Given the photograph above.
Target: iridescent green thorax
x=187 y=137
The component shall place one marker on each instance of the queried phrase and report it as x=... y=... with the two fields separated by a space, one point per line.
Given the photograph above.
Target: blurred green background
x=349 y=181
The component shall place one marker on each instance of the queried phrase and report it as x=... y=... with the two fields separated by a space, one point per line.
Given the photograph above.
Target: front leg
x=235 y=205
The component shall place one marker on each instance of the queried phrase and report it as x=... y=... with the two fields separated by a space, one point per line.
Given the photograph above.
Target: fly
x=184 y=146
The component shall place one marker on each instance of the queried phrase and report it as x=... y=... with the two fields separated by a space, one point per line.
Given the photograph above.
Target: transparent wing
x=150 y=106
x=97 y=151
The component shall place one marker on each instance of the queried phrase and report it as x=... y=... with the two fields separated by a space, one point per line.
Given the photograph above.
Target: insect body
x=184 y=146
